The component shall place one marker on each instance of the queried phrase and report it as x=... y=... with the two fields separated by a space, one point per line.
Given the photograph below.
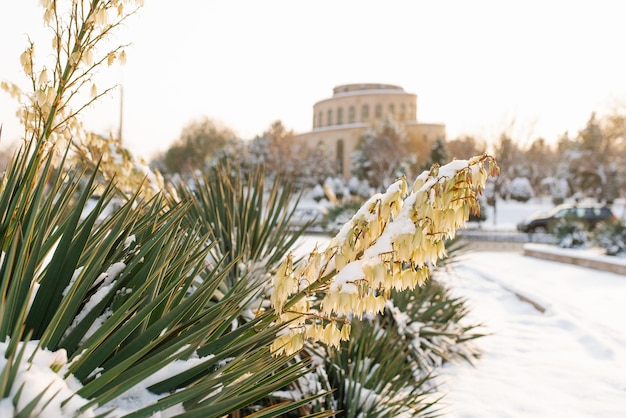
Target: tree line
x=587 y=164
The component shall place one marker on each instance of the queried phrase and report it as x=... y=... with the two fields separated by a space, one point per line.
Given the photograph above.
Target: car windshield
x=554 y=211
x=563 y=210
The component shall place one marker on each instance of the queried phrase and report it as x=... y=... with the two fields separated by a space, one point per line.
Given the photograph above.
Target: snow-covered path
x=568 y=361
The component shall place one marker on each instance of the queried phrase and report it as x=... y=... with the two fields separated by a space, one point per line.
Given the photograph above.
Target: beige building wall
x=339 y=121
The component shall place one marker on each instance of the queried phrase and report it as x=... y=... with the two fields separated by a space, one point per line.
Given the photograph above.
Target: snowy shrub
x=359 y=188
x=570 y=233
x=353 y=185
x=339 y=214
x=364 y=190
x=520 y=189
x=373 y=376
x=318 y=193
x=556 y=187
x=612 y=237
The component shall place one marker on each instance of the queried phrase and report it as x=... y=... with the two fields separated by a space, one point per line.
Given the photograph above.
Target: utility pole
x=121 y=121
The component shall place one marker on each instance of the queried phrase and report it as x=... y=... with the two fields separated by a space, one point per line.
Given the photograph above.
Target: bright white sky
x=475 y=66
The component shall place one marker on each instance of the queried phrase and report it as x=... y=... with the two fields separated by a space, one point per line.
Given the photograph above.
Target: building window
x=365 y=112
x=340 y=116
x=339 y=153
x=379 y=111
x=402 y=114
x=329 y=117
x=351 y=114
x=392 y=109
x=412 y=112
x=320 y=115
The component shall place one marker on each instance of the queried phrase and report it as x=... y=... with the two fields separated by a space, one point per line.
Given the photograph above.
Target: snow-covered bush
x=317 y=193
x=520 y=189
x=340 y=213
x=557 y=188
x=612 y=237
x=359 y=188
x=570 y=233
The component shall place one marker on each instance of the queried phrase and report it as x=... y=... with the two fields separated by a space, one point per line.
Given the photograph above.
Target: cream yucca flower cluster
x=117 y=163
x=48 y=112
x=390 y=243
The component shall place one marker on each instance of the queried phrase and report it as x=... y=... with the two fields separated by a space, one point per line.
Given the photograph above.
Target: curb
x=597 y=261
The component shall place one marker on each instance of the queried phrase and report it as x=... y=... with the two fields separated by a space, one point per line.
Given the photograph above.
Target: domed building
x=340 y=121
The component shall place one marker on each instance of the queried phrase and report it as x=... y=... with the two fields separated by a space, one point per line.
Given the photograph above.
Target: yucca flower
x=389 y=244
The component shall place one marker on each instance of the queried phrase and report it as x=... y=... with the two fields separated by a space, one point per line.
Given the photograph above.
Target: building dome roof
x=345 y=88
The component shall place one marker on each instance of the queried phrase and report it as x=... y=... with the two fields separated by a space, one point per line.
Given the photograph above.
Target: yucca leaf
x=129 y=371
x=374 y=376
x=153 y=354
x=14 y=359
x=277 y=374
x=23 y=250
x=60 y=269
x=27 y=410
x=287 y=406
x=223 y=399
x=233 y=344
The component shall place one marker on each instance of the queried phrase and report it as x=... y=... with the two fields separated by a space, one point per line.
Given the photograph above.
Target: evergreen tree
x=438 y=154
x=382 y=152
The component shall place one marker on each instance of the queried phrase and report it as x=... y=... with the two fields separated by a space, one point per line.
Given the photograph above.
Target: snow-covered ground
x=557 y=343
x=568 y=361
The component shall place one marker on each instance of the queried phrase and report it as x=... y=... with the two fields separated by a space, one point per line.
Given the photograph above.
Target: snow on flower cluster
x=390 y=243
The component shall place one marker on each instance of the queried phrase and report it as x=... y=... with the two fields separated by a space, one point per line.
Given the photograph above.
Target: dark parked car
x=589 y=215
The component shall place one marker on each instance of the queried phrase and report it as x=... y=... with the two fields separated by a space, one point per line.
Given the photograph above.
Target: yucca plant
x=373 y=376
x=611 y=236
x=434 y=324
x=570 y=233
x=124 y=296
x=248 y=222
x=106 y=301
x=387 y=366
